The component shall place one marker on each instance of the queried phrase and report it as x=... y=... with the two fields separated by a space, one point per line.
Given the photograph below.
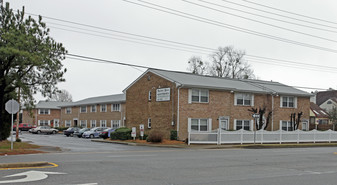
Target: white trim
x=150 y=95
x=101 y=123
x=106 y=107
x=113 y=109
x=86 y=109
x=234 y=125
x=91 y=123
x=295 y=102
x=252 y=100
x=92 y=107
x=84 y=122
x=252 y=125
x=209 y=125
x=235 y=97
x=149 y=122
x=189 y=95
x=189 y=121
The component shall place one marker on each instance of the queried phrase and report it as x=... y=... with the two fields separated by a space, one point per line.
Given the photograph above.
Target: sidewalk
x=225 y=146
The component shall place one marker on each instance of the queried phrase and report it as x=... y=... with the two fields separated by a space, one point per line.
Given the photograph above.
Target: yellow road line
x=53 y=165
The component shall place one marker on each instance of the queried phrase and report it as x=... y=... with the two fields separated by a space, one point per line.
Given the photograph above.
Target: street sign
x=12 y=106
x=256 y=115
x=141 y=129
x=133 y=133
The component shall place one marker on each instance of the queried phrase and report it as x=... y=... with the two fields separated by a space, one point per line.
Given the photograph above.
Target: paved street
x=100 y=163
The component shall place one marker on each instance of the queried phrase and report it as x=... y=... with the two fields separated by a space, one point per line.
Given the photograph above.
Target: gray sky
x=86 y=79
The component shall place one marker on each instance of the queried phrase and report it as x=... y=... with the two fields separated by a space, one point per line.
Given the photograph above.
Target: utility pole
x=18 y=116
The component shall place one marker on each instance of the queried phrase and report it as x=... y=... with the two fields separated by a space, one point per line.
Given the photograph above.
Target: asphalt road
x=101 y=163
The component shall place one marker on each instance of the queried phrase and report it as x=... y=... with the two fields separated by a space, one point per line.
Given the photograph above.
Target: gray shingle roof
x=190 y=80
x=98 y=100
x=50 y=104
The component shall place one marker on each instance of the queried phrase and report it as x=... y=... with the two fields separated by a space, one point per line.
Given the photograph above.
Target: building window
x=288 y=101
x=44 y=122
x=329 y=102
x=44 y=111
x=244 y=99
x=323 y=121
x=287 y=126
x=93 y=108
x=103 y=108
x=199 y=95
x=242 y=124
x=83 y=109
x=115 y=124
x=149 y=123
x=68 y=123
x=150 y=97
x=92 y=123
x=83 y=123
x=103 y=123
x=199 y=125
x=115 y=107
x=68 y=110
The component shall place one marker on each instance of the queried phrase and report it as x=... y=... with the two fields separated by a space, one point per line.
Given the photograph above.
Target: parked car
x=106 y=133
x=70 y=131
x=94 y=132
x=80 y=132
x=23 y=126
x=44 y=129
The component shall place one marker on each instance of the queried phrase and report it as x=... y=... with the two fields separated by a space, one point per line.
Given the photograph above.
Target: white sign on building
x=163 y=94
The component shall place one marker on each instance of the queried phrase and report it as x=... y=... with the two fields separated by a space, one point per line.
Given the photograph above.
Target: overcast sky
x=86 y=79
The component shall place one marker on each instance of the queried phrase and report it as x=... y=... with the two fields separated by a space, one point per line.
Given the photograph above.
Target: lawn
x=18 y=148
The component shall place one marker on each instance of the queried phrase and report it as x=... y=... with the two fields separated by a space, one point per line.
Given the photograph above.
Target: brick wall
x=33 y=117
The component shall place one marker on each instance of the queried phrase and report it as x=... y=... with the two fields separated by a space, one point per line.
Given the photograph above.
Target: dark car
x=106 y=133
x=80 y=132
x=70 y=131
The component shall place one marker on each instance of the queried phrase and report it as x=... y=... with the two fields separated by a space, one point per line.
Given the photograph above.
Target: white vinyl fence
x=262 y=136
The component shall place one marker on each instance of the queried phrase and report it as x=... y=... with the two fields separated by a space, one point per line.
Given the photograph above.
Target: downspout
x=178 y=112
x=272 y=112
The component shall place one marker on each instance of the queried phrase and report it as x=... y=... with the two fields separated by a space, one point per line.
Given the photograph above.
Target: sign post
x=256 y=117
x=133 y=133
x=12 y=107
x=141 y=129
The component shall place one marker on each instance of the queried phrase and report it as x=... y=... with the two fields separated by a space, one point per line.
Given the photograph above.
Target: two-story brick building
x=168 y=100
x=102 y=111
x=44 y=113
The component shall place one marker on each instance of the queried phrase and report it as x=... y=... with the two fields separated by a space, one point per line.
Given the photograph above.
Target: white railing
x=262 y=136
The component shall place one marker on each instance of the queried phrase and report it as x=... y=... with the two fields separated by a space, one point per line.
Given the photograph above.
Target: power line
x=261 y=22
x=280 y=15
x=98 y=60
x=285 y=11
x=271 y=18
x=220 y=24
x=201 y=49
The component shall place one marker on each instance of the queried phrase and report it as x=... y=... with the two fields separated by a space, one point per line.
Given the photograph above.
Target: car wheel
x=38 y=132
x=67 y=135
x=71 y=135
x=91 y=136
x=54 y=132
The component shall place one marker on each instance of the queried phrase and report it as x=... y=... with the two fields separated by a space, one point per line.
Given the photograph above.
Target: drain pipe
x=178 y=112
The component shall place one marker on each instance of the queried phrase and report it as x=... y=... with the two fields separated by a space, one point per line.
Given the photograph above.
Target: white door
x=223 y=124
x=56 y=123
x=305 y=126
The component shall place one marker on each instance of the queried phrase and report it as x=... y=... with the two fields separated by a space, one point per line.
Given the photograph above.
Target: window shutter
x=38 y=123
x=281 y=100
x=189 y=125
x=234 y=126
x=189 y=95
x=251 y=125
x=295 y=102
x=49 y=122
x=280 y=125
x=39 y=111
x=252 y=103
x=48 y=111
x=235 y=97
x=210 y=124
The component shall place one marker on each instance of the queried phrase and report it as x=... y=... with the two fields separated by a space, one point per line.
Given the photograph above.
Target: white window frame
x=251 y=124
x=288 y=102
x=45 y=122
x=102 y=122
x=244 y=98
x=116 y=107
x=149 y=123
x=82 y=111
x=199 y=91
x=68 y=110
x=92 y=123
x=150 y=96
x=67 y=123
x=115 y=122
x=208 y=123
x=83 y=122
x=105 y=106
x=93 y=108
x=44 y=111
x=287 y=126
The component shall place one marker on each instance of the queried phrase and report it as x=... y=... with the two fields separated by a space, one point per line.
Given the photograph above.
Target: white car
x=44 y=129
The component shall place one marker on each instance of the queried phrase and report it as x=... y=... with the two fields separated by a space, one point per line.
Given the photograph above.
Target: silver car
x=44 y=129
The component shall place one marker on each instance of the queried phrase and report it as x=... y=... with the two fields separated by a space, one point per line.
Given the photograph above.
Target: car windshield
x=69 y=129
x=83 y=129
x=106 y=130
x=93 y=129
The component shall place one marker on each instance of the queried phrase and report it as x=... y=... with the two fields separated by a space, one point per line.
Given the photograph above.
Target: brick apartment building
x=167 y=100
x=44 y=113
x=103 y=111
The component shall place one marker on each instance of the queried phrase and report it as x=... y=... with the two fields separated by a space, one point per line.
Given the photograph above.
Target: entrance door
x=305 y=126
x=223 y=124
x=75 y=123
x=56 y=123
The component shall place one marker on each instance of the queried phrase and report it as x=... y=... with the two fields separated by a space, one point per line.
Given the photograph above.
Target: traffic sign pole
x=12 y=132
x=12 y=107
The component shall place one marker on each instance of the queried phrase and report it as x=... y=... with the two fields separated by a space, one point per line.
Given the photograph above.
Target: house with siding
x=43 y=113
x=168 y=100
x=102 y=111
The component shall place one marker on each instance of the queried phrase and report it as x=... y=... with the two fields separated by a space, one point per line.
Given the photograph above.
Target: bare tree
x=225 y=62
x=263 y=121
x=333 y=117
x=62 y=96
x=196 y=65
x=295 y=122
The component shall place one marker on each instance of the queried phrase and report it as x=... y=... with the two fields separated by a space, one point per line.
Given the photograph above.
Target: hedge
x=121 y=134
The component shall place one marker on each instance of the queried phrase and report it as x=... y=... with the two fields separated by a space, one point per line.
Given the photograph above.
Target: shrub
x=174 y=135
x=155 y=137
x=144 y=137
x=18 y=140
x=61 y=128
x=121 y=134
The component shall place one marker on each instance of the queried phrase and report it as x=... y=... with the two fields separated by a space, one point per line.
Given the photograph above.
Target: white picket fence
x=262 y=136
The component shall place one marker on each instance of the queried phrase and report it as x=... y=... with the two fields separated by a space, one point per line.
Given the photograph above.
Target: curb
x=139 y=144
x=23 y=164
